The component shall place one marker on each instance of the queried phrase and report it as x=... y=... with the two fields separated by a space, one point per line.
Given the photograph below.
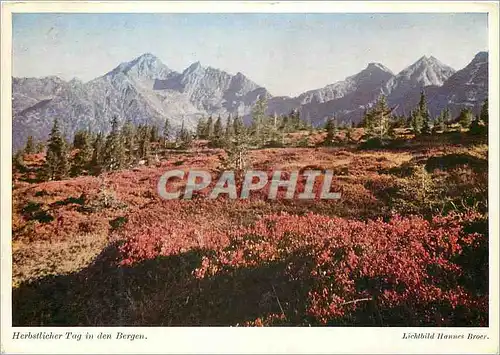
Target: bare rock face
x=466 y=88
x=427 y=71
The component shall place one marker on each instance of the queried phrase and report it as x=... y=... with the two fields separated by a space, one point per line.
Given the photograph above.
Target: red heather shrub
x=404 y=268
x=67 y=224
x=172 y=227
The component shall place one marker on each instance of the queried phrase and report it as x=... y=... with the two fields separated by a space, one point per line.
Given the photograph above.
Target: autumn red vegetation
x=406 y=245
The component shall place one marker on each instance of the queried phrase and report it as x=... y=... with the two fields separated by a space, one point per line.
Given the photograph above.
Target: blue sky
x=286 y=53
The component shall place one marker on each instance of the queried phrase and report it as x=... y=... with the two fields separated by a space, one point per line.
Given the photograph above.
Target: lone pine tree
x=377 y=119
x=114 y=150
x=331 y=131
x=424 y=113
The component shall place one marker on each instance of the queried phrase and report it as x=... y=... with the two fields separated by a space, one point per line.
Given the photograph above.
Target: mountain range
x=145 y=90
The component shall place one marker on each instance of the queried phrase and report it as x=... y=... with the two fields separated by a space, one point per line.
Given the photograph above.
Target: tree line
x=262 y=130
x=379 y=122
x=129 y=145
x=95 y=153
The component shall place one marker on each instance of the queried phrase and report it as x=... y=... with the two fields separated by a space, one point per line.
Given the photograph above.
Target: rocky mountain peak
x=146 y=66
x=480 y=57
x=424 y=72
x=373 y=66
x=193 y=68
x=431 y=63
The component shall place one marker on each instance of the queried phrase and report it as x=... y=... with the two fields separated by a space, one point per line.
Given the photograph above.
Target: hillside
x=108 y=251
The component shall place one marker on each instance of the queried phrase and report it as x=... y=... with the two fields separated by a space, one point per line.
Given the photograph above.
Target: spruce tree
x=426 y=127
x=399 y=121
x=128 y=138
x=440 y=124
x=447 y=116
x=218 y=135
x=273 y=131
x=368 y=123
x=258 y=117
x=331 y=131
x=201 y=128
x=295 y=120
x=422 y=106
x=237 y=148
x=56 y=160
x=40 y=147
x=484 y=115
x=416 y=121
x=377 y=119
x=238 y=126
x=30 y=146
x=465 y=118
x=363 y=123
x=475 y=126
x=382 y=117
x=82 y=159
x=285 y=124
x=167 y=130
x=209 y=128
x=229 y=129
x=391 y=132
x=114 y=149
x=424 y=113
x=154 y=134
x=97 y=154
x=144 y=134
x=18 y=163
x=184 y=137
x=78 y=138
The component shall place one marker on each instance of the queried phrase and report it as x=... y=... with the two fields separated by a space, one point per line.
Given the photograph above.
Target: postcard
x=250 y=177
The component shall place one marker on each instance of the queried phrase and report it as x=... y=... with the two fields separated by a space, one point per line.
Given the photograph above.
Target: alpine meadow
x=393 y=231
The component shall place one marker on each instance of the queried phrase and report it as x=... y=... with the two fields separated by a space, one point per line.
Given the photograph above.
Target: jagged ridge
x=146 y=90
